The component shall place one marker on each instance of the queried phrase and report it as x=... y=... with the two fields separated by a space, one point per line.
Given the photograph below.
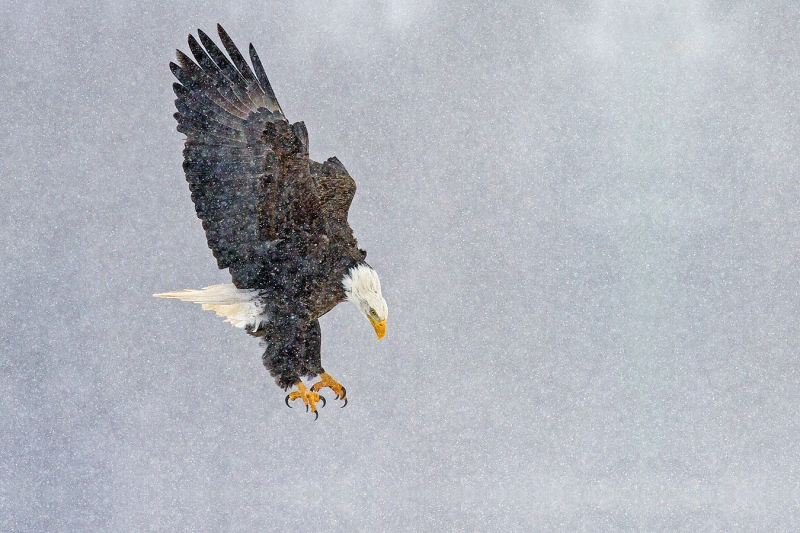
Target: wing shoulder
x=336 y=190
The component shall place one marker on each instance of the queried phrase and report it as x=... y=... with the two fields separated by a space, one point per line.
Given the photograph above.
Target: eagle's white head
x=363 y=288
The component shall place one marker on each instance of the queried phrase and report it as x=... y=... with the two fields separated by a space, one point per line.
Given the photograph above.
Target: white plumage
x=363 y=288
x=238 y=306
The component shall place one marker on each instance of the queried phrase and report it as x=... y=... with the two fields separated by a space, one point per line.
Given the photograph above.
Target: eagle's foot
x=309 y=397
x=327 y=381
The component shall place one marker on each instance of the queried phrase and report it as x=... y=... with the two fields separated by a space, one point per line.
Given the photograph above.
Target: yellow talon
x=309 y=397
x=327 y=381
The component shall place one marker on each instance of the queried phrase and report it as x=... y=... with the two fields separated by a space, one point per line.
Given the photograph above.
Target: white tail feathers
x=238 y=306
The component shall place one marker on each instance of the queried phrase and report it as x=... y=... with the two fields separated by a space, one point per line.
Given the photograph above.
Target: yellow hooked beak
x=380 y=327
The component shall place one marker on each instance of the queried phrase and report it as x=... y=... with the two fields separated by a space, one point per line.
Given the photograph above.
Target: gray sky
x=585 y=219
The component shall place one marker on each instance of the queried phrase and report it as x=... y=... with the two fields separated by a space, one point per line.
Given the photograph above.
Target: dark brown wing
x=247 y=167
x=336 y=190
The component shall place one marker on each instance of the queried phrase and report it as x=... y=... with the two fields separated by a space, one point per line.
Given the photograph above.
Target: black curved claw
x=316 y=413
x=344 y=392
x=306 y=408
x=321 y=397
x=345 y=403
x=287 y=402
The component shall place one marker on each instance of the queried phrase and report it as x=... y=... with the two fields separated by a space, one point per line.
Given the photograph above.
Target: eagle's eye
x=372 y=313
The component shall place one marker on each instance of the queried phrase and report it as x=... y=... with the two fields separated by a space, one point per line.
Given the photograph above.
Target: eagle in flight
x=273 y=217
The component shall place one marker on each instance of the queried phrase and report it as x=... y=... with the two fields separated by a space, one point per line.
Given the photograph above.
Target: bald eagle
x=273 y=217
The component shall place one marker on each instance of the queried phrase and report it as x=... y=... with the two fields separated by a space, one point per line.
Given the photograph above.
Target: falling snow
x=585 y=217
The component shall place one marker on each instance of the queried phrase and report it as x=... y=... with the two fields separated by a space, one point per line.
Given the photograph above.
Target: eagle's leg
x=327 y=381
x=309 y=397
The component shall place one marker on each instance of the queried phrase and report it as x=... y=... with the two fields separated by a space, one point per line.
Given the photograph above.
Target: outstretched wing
x=247 y=167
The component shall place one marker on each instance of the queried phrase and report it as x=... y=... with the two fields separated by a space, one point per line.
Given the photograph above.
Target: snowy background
x=585 y=219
